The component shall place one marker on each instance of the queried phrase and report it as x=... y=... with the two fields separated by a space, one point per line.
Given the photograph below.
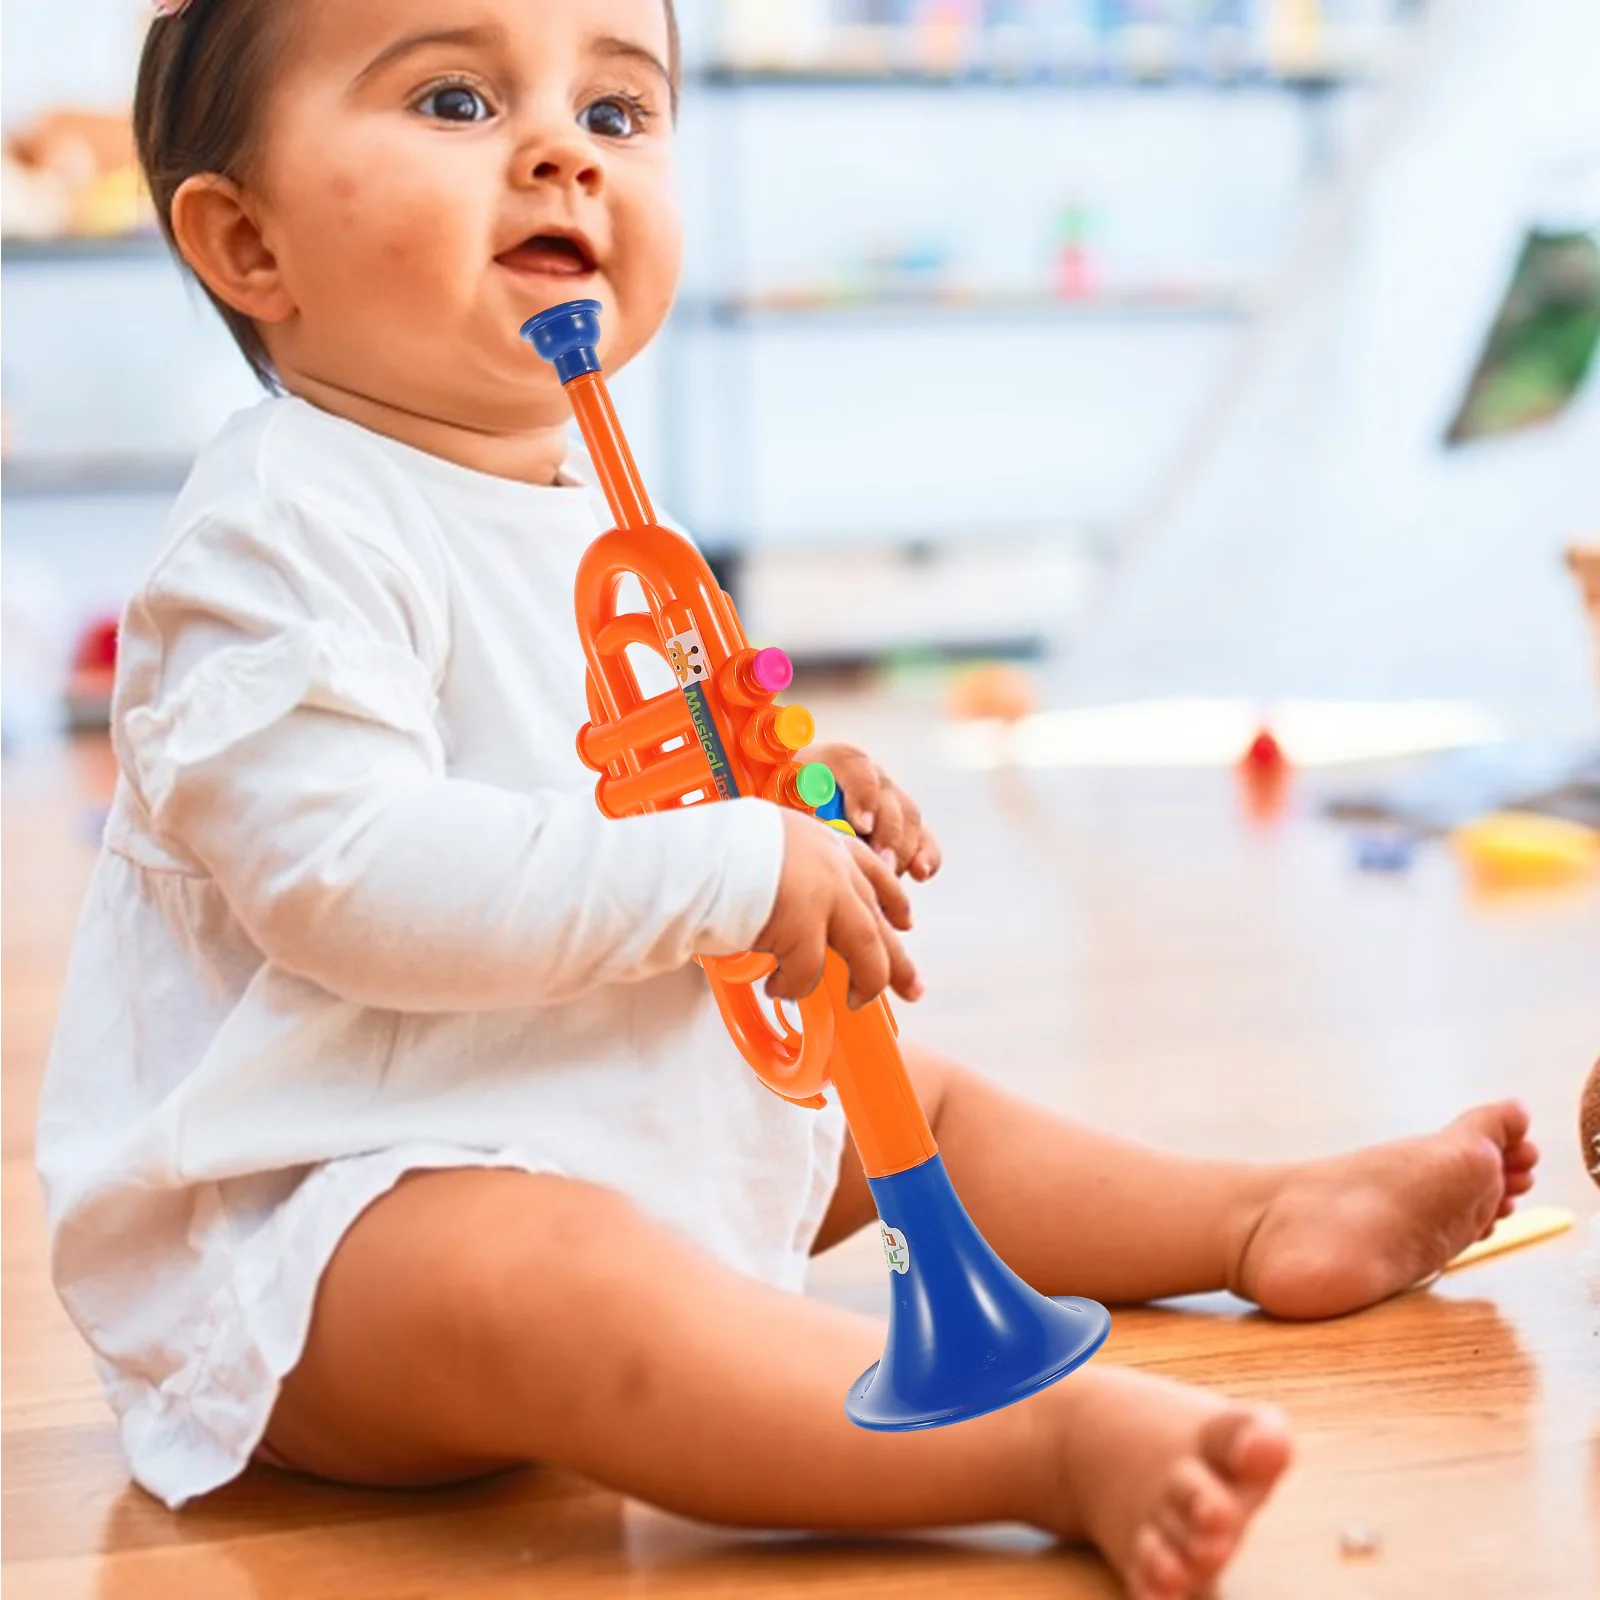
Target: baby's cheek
x=645 y=270
x=395 y=253
x=377 y=212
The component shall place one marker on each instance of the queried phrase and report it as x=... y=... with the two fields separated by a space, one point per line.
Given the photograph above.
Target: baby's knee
x=941 y=1083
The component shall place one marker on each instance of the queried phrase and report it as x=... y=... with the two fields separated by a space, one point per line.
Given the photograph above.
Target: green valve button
x=815 y=785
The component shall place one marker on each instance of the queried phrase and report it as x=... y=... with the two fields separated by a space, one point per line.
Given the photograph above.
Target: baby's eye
x=455 y=102
x=614 y=117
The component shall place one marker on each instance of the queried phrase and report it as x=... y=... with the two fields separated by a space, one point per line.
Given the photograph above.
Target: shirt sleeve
x=278 y=723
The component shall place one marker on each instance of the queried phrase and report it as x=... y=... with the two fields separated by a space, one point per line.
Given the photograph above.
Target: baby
x=391 y=1134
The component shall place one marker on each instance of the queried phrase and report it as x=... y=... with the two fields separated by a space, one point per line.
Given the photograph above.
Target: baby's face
x=433 y=172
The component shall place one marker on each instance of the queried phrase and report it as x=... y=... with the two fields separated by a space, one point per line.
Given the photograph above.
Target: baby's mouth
x=555 y=255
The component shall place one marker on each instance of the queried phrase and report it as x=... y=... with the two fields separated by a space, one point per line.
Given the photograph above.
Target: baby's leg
x=472 y=1319
x=1077 y=1211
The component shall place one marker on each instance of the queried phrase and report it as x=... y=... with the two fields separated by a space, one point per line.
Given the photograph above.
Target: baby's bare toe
x=1524 y=1158
x=1158 y=1572
x=1247 y=1446
x=1506 y=1122
x=1200 y=1517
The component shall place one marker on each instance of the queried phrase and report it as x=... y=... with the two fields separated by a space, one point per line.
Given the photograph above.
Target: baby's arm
x=277 y=722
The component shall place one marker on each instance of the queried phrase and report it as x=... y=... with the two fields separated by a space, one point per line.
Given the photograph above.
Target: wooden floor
x=1132 y=946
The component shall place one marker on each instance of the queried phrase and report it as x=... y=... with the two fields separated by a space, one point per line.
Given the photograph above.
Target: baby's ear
x=219 y=237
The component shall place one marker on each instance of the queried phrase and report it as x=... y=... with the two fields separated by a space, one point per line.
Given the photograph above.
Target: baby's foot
x=1337 y=1235
x=1163 y=1478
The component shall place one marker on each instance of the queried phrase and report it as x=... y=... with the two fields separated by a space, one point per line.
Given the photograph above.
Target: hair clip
x=171 y=8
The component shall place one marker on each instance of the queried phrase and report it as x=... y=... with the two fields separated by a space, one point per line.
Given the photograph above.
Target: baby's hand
x=836 y=894
x=880 y=812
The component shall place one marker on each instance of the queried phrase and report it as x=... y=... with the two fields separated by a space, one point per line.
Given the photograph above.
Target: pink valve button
x=772 y=669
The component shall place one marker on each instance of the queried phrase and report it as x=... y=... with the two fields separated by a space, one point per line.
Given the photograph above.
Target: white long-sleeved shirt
x=357 y=913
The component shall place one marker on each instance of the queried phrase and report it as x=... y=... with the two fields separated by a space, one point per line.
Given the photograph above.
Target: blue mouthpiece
x=565 y=336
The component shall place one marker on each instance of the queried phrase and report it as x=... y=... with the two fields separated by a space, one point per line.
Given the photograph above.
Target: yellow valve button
x=794 y=727
x=841 y=825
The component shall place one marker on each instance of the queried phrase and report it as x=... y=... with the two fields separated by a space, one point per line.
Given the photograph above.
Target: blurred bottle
x=1229 y=46
x=775 y=35
x=1296 y=45
x=914 y=268
x=871 y=36
x=1190 y=23
x=1103 y=21
x=948 y=35
x=1006 y=48
x=1354 y=33
x=1066 y=37
x=1146 y=43
x=1072 y=276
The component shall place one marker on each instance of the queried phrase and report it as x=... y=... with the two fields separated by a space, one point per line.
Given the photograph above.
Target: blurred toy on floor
x=993 y=690
x=1385 y=850
x=94 y=672
x=1264 y=775
x=1516 y=849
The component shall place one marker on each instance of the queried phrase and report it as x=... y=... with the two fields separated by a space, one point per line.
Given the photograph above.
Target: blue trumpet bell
x=966 y=1334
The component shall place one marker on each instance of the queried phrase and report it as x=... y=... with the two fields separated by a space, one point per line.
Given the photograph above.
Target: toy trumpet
x=966 y=1334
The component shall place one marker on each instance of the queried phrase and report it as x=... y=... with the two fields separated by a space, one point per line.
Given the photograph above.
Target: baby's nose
x=561 y=162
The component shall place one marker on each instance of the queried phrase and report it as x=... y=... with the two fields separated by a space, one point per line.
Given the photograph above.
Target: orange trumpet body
x=715 y=737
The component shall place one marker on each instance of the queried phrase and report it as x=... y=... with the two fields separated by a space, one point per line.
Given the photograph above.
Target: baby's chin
x=512 y=405
x=515 y=395
x=488 y=375
x=463 y=365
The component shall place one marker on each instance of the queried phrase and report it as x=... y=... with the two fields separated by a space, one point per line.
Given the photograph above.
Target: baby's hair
x=203 y=80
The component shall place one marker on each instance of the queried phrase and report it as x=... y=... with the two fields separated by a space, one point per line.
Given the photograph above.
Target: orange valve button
x=795 y=727
x=814 y=784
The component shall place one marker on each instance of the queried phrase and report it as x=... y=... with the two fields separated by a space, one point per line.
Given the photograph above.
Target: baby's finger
x=859 y=936
x=927 y=858
x=892 y=898
x=889 y=836
x=910 y=835
x=903 y=976
x=862 y=783
x=799 y=968
x=865 y=893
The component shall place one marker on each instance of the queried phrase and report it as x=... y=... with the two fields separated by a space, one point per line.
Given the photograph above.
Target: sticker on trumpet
x=686 y=655
x=896 y=1249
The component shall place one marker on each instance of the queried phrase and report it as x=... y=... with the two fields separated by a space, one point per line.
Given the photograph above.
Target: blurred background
x=1224 y=361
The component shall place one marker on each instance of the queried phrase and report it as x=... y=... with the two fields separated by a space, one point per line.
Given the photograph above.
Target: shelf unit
x=112 y=247
x=1311 y=81
x=957 y=306
x=734 y=340
x=154 y=473
x=738 y=313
